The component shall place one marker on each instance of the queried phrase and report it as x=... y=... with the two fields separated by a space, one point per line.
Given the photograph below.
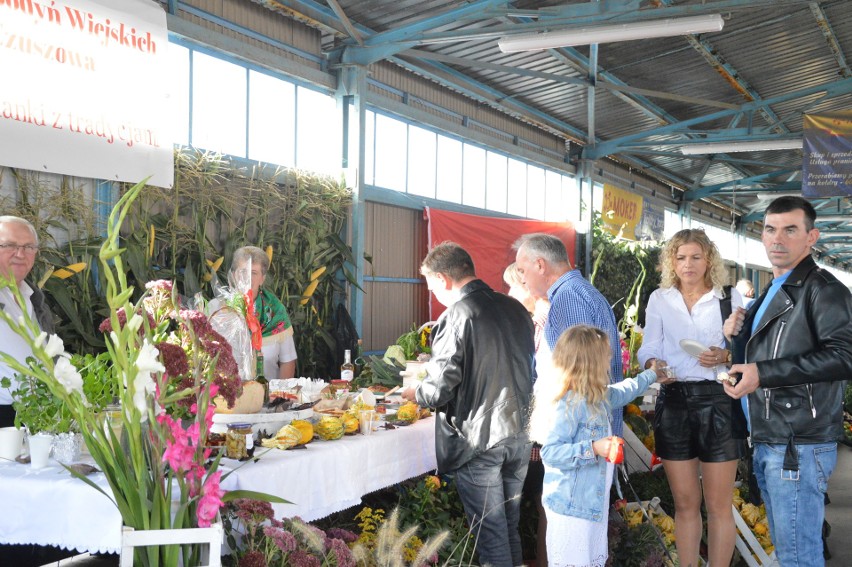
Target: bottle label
x=347 y=375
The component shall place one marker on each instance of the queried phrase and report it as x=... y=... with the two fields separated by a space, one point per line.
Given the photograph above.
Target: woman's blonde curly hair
x=716 y=276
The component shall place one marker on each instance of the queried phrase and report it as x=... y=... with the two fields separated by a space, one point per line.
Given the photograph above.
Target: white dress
x=575 y=542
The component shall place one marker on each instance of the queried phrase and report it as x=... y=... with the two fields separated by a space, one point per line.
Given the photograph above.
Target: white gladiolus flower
x=39 y=340
x=144 y=384
x=67 y=375
x=55 y=346
x=147 y=360
x=135 y=323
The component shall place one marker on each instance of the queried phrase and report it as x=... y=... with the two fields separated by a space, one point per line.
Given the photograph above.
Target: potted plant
x=40 y=412
x=44 y=414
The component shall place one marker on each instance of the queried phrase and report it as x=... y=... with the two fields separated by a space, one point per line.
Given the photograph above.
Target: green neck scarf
x=271 y=313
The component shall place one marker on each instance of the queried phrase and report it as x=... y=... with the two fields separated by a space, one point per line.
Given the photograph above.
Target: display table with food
x=328 y=476
x=49 y=507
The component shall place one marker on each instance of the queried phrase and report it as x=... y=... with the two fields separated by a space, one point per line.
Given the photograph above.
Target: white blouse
x=668 y=321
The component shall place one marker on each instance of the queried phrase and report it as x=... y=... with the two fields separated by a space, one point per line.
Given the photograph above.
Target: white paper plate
x=692 y=348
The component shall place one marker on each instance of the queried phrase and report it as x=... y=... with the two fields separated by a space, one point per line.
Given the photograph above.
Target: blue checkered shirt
x=574 y=301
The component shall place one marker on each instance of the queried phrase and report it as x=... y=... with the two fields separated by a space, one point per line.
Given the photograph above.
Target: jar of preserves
x=238 y=441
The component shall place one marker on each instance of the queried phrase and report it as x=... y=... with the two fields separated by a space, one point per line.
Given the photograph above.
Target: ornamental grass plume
x=159 y=473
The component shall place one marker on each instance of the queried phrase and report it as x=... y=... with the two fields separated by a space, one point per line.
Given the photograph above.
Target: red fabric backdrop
x=489 y=241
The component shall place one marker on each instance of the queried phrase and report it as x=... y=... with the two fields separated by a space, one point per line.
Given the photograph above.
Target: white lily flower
x=67 y=375
x=55 y=346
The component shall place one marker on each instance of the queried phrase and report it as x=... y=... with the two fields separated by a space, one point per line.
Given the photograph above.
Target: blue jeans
x=489 y=486
x=795 y=501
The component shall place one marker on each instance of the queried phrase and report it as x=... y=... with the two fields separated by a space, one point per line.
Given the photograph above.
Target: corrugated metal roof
x=767 y=50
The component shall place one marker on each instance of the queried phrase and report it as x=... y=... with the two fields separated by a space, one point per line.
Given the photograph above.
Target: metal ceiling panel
x=650 y=94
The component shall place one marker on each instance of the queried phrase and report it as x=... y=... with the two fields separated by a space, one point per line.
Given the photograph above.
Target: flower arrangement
x=167 y=363
x=257 y=539
x=267 y=541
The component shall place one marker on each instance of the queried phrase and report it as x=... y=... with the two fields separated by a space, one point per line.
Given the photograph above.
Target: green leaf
x=253 y=495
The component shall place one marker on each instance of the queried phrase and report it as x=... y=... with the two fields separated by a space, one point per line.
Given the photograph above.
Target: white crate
x=637 y=457
x=747 y=545
x=212 y=538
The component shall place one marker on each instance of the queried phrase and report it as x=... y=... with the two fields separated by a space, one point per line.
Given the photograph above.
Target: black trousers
x=7 y=415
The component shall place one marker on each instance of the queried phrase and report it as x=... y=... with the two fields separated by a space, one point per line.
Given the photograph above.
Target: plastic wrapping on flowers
x=167 y=364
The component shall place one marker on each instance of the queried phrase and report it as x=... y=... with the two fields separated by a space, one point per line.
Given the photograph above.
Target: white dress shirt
x=10 y=342
x=668 y=321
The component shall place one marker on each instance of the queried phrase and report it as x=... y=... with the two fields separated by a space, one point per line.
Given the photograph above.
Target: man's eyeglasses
x=29 y=249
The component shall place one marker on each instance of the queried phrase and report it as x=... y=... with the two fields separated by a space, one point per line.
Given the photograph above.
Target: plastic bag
x=227 y=313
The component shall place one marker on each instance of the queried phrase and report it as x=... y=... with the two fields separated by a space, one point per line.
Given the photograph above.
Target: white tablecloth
x=50 y=507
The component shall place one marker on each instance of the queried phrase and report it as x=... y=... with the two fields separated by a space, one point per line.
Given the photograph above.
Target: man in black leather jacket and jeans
x=480 y=381
x=793 y=350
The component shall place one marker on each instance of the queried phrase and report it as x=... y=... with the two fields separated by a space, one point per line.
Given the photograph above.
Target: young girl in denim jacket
x=570 y=421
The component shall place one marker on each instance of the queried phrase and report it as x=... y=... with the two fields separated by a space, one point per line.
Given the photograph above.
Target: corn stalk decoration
x=189 y=233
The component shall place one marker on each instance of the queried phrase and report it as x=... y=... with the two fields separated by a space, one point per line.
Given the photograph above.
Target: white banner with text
x=85 y=89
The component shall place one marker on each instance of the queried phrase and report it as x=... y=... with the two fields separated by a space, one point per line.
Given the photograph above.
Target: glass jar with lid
x=238 y=441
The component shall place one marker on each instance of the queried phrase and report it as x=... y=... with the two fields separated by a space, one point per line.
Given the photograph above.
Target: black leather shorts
x=693 y=420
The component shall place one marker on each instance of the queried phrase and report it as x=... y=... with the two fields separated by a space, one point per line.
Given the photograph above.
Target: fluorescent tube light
x=772 y=195
x=610 y=33
x=834 y=218
x=733 y=147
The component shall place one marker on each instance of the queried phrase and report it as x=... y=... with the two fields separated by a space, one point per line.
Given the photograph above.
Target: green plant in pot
x=42 y=413
x=36 y=408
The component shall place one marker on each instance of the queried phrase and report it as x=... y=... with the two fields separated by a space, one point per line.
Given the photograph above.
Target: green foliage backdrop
x=619 y=264
x=176 y=234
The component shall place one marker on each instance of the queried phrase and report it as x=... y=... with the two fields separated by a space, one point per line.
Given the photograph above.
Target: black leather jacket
x=480 y=374
x=803 y=351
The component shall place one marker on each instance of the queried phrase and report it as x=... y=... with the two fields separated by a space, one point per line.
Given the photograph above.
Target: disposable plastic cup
x=40 y=446
x=11 y=442
x=368 y=417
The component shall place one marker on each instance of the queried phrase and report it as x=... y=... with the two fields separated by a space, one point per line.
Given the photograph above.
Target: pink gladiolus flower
x=210 y=501
x=179 y=454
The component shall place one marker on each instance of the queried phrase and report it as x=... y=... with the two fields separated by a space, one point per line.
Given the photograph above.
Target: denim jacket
x=574 y=477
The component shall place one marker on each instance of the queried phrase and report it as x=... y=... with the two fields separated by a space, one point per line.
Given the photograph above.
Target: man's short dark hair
x=789 y=204
x=450 y=259
x=542 y=245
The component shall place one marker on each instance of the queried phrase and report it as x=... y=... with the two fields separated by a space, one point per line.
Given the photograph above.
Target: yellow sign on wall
x=626 y=211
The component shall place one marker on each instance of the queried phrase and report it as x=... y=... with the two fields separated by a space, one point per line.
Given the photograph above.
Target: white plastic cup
x=367 y=418
x=40 y=446
x=11 y=443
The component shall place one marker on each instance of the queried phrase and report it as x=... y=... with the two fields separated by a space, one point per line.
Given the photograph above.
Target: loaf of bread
x=250 y=401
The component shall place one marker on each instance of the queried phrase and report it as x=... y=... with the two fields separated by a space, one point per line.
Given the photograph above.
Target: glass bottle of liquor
x=347 y=369
x=260 y=377
x=359 y=359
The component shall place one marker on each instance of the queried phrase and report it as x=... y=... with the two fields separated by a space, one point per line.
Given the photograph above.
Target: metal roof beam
x=696 y=194
x=602 y=83
x=830 y=38
x=607 y=9
x=834 y=89
x=414 y=31
x=308 y=11
x=347 y=23
x=733 y=77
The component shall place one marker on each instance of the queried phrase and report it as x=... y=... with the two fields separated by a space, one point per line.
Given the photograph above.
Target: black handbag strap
x=725 y=304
